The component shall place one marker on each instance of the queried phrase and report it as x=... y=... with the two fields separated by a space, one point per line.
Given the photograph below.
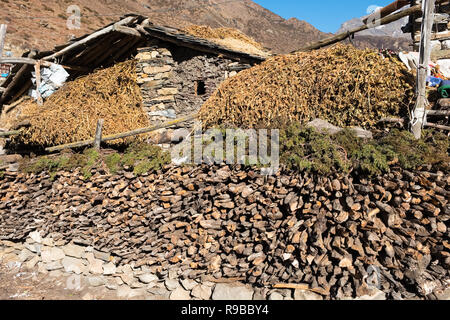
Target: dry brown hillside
x=41 y=24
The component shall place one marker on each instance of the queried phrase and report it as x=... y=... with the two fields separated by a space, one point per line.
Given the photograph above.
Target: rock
x=276 y=296
x=201 y=292
x=25 y=255
x=73 y=250
x=444 y=295
x=96 y=281
x=109 y=269
x=48 y=242
x=49 y=254
x=87 y=296
x=35 y=236
x=54 y=265
x=224 y=291
x=73 y=265
x=161 y=292
x=32 y=263
x=172 y=284
x=128 y=278
x=188 y=284
x=102 y=255
x=95 y=265
x=147 y=278
x=375 y=295
x=125 y=292
x=111 y=286
x=35 y=247
x=180 y=294
x=306 y=295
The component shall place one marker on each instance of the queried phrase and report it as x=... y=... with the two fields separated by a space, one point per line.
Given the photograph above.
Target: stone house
x=176 y=71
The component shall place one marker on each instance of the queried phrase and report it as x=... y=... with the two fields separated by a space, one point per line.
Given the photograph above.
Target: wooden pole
x=436 y=126
x=418 y=116
x=30 y=61
x=10 y=133
x=37 y=70
x=345 y=35
x=122 y=135
x=98 y=134
x=91 y=37
x=3 y=28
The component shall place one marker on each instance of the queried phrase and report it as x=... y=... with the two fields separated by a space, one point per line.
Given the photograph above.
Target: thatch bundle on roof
x=341 y=84
x=228 y=37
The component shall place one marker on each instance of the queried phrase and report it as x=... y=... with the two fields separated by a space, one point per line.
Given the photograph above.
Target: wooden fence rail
x=123 y=134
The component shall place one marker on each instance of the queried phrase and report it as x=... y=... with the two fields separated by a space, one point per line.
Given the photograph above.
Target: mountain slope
x=41 y=24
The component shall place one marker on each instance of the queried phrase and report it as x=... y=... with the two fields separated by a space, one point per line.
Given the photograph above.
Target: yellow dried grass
x=341 y=84
x=228 y=37
x=71 y=113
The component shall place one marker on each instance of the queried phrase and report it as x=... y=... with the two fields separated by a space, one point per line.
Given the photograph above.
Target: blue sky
x=325 y=15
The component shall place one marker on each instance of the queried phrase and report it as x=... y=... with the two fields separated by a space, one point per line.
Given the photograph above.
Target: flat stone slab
x=224 y=291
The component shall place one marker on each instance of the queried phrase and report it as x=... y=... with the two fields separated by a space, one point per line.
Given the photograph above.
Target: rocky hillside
x=42 y=24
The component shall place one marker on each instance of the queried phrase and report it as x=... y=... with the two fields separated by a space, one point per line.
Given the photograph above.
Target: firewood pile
x=343 y=85
x=229 y=222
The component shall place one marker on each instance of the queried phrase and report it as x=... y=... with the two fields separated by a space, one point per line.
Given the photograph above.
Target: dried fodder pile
x=341 y=84
x=228 y=37
x=71 y=113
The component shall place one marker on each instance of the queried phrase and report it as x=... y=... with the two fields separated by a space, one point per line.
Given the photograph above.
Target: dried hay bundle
x=228 y=37
x=341 y=84
x=71 y=113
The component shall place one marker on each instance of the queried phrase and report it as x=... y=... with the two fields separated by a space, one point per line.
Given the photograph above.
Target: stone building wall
x=176 y=81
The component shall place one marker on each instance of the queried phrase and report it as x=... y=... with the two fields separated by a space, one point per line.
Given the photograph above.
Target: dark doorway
x=200 y=88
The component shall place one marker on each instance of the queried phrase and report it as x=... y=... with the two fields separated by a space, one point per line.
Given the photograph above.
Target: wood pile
x=229 y=222
x=343 y=85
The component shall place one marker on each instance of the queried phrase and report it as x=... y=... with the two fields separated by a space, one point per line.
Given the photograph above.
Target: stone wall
x=176 y=81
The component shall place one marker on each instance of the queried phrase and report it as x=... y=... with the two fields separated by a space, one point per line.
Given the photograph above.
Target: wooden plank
x=435 y=36
x=418 y=115
x=98 y=134
x=30 y=61
x=342 y=36
x=89 y=38
x=127 y=31
x=301 y=286
x=441 y=54
x=438 y=112
x=437 y=126
x=3 y=28
x=37 y=71
x=123 y=134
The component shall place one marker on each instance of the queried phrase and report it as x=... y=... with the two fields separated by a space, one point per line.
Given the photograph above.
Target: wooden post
x=2 y=37
x=418 y=115
x=37 y=70
x=98 y=134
